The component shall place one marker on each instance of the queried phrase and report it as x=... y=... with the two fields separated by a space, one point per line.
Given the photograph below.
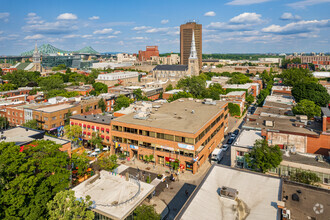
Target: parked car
x=233 y=135
x=236 y=132
x=225 y=147
x=230 y=141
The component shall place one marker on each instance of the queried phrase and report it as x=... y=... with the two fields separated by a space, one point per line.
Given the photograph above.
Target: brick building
x=16 y=92
x=94 y=123
x=184 y=131
x=151 y=51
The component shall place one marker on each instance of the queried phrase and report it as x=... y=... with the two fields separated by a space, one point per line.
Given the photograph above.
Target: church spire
x=193 y=52
x=36 y=47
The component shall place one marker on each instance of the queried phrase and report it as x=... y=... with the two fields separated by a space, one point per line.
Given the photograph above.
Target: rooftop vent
x=192 y=111
x=229 y=193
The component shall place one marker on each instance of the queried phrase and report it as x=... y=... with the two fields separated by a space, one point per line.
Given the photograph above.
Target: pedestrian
x=166 y=185
x=186 y=192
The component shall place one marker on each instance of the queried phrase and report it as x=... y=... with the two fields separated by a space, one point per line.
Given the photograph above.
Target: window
x=45 y=118
x=37 y=116
x=326 y=180
x=53 y=125
x=169 y=137
x=54 y=118
x=46 y=126
x=21 y=114
x=61 y=116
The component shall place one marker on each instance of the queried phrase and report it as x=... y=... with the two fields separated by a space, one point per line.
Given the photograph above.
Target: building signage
x=167 y=148
x=186 y=146
x=134 y=147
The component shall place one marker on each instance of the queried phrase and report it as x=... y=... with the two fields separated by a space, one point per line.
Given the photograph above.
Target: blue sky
x=229 y=26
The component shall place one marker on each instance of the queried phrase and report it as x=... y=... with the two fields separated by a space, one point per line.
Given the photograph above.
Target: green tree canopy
x=139 y=95
x=3 y=122
x=263 y=157
x=65 y=206
x=102 y=105
x=107 y=163
x=296 y=76
x=51 y=82
x=180 y=95
x=80 y=163
x=239 y=79
x=8 y=87
x=307 y=107
x=305 y=177
x=169 y=87
x=250 y=99
x=95 y=140
x=312 y=91
x=146 y=212
x=30 y=178
x=234 y=109
x=194 y=85
x=100 y=88
x=214 y=91
x=21 y=77
x=73 y=132
x=31 y=124
x=122 y=101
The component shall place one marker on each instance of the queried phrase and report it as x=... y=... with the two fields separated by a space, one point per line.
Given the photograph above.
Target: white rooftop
x=174 y=91
x=259 y=192
x=117 y=75
x=283 y=99
x=235 y=93
x=55 y=108
x=110 y=189
x=247 y=138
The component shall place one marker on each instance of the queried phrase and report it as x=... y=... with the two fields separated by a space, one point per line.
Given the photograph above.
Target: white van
x=217 y=155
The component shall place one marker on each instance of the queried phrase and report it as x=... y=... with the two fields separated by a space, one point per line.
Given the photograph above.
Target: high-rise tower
x=186 y=32
x=193 y=66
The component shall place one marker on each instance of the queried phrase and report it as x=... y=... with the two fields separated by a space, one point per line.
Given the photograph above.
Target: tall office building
x=186 y=33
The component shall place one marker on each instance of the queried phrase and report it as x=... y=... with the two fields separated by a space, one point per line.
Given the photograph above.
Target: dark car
x=236 y=132
x=230 y=141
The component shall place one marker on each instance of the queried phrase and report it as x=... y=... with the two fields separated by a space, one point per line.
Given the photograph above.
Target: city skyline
x=230 y=26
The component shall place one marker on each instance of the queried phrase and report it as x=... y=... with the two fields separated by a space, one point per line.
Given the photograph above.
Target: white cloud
x=157 y=30
x=117 y=32
x=297 y=27
x=246 y=18
x=67 y=16
x=94 y=18
x=246 y=2
x=304 y=3
x=140 y=28
x=107 y=37
x=210 y=14
x=140 y=38
x=103 y=31
x=41 y=27
x=164 y=21
x=87 y=36
x=229 y=27
x=288 y=16
x=32 y=18
x=121 y=43
x=4 y=16
x=71 y=36
x=34 y=37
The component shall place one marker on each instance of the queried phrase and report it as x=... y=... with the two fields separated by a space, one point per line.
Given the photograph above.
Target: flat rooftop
x=305 y=159
x=174 y=91
x=100 y=119
x=280 y=124
x=55 y=108
x=273 y=112
x=20 y=135
x=247 y=138
x=177 y=115
x=259 y=192
x=313 y=202
x=109 y=189
x=56 y=140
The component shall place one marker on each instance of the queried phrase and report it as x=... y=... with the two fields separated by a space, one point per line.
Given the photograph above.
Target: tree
x=66 y=206
x=67 y=117
x=239 y=79
x=122 y=101
x=169 y=88
x=307 y=107
x=234 y=109
x=3 y=122
x=100 y=88
x=30 y=177
x=68 y=70
x=296 y=76
x=305 y=177
x=250 y=99
x=73 y=132
x=8 y=87
x=108 y=163
x=80 y=163
x=21 y=77
x=194 y=85
x=95 y=140
x=146 y=212
x=51 y=82
x=214 y=91
x=263 y=157
x=139 y=96
x=180 y=95
x=312 y=91
x=102 y=105
x=31 y=124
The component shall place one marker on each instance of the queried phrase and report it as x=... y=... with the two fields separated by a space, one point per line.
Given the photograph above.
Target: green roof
x=47 y=49
x=22 y=66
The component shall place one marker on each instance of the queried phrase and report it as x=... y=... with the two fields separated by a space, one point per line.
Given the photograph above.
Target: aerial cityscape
x=165 y=110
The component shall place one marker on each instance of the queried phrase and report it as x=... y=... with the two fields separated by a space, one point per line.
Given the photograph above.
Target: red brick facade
x=148 y=53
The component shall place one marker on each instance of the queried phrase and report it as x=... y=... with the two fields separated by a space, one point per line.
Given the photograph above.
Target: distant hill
x=47 y=49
